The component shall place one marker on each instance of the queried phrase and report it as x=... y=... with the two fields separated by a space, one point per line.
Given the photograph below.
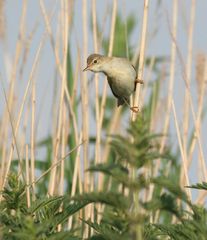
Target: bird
x=121 y=76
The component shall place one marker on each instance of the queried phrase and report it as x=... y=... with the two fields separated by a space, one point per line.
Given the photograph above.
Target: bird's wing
x=120 y=100
x=111 y=86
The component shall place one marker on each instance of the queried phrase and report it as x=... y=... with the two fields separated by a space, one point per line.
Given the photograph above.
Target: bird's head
x=95 y=63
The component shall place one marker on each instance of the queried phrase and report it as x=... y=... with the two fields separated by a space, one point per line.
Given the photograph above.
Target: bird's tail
x=121 y=101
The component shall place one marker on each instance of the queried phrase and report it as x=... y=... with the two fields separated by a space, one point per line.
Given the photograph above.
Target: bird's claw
x=139 y=81
x=134 y=109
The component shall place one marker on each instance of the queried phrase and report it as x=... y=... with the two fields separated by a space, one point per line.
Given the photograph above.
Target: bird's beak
x=85 y=69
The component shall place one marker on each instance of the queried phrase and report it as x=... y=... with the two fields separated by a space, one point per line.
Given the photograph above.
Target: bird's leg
x=134 y=109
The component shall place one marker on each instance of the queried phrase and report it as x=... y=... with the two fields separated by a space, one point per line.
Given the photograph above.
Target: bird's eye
x=95 y=61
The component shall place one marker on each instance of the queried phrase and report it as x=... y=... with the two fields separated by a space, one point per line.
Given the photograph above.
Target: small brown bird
x=121 y=76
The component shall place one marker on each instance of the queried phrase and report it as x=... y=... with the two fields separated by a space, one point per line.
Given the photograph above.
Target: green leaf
x=200 y=186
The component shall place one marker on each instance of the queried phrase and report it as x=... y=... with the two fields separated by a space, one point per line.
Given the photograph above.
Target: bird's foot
x=139 y=81
x=134 y=109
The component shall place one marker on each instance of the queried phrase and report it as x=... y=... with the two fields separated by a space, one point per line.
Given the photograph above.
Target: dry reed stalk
x=63 y=148
x=156 y=116
x=64 y=15
x=62 y=71
x=21 y=144
x=76 y=178
x=27 y=175
x=126 y=29
x=188 y=77
x=74 y=90
x=103 y=27
x=71 y=100
x=182 y=64
x=5 y=120
x=52 y=41
x=201 y=76
x=62 y=164
x=27 y=45
x=170 y=87
x=147 y=79
x=98 y=128
x=84 y=95
x=141 y=56
x=172 y=75
x=104 y=94
x=113 y=127
x=85 y=109
x=197 y=133
x=15 y=144
x=3 y=164
x=111 y=44
x=2 y=19
x=21 y=109
x=157 y=105
x=65 y=33
x=184 y=160
x=135 y=103
x=32 y=139
x=117 y=111
x=200 y=148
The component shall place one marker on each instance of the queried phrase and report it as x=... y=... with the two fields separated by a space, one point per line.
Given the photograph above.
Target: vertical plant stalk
x=188 y=77
x=32 y=139
x=27 y=176
x=110 y=51
x=85 y=109
x=11 y=104
x=201 y=94
x=136 y=103
x=84 y=95
x=65 y=28
x=98 y=129
x=14 y=137
x=170 y=87
x=181 y=150
x=2 y=20
x=113 y=125
x=62 y=71
x=141 y=56
x=21 y=110
x=103 y=100
x=76 y=178
x=62 y=74
x=200 y=148
x=170 y=92
x=147 y=79
x=126 y=29
x=172 y=75
x=63 y=148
